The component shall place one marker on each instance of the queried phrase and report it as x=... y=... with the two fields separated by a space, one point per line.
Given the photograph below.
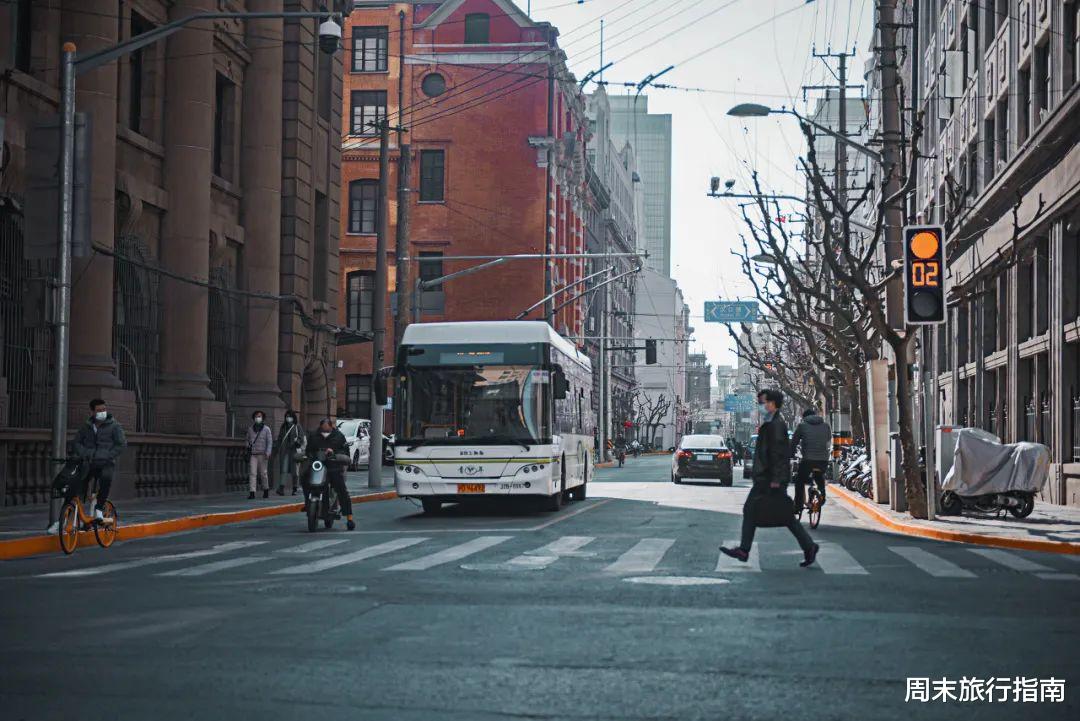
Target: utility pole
x=378 y=320
x=890 y=151
x=841 y=148
x=401 y=244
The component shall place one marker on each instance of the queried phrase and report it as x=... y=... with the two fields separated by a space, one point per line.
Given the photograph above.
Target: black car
x=702 y=457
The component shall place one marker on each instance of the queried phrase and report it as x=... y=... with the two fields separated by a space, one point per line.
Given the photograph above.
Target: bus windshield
x=496 y=403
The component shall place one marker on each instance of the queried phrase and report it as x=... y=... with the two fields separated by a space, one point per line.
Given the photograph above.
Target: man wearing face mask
x=331 y=439
x=260 y=443
x=290 y=444
x=100 y=442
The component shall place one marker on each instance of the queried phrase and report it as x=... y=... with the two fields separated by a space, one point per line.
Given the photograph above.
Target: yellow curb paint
x=22 y=547
x=941 y=534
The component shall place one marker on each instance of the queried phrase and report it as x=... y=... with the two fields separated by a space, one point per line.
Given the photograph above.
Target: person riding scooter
x=331 y=439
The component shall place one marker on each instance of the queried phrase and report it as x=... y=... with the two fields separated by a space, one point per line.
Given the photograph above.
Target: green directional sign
x=731 y=311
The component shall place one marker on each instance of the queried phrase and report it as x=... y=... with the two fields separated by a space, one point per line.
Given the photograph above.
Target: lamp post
x=754 y=110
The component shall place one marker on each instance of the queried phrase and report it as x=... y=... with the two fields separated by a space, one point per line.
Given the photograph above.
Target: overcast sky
x=764 y=55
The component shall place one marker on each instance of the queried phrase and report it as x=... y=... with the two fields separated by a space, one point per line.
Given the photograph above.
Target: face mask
x=289 y=420
x=761 y=408
x=258 y=420
x=101 y=415
x=324 y=434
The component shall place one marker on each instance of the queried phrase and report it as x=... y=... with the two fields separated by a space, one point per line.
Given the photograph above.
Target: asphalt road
x=616 y=607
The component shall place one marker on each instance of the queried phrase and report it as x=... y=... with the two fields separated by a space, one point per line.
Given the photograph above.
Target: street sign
x=739 y=403
x=731 y=311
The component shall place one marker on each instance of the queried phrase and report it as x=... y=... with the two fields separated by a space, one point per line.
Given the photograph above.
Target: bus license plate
x=470 y=488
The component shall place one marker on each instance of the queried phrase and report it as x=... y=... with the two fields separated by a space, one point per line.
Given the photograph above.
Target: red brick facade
x=509 y=105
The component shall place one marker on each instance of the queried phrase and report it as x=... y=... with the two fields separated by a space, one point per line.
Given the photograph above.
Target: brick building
x=213 y=157
x=496 y=133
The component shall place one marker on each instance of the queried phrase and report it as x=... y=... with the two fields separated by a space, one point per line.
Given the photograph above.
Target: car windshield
x=710 y=442
x=350 y=428
x=470 y=404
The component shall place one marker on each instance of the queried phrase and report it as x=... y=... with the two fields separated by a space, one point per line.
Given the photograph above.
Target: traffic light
x=650 y=351
x=924 y=274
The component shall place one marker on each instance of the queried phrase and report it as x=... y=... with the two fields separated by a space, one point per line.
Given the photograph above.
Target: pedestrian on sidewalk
x=290 y=445
x=260 y=444
x=815 y=437
x=771 y=474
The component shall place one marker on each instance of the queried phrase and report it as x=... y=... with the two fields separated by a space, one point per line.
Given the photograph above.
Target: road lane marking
x=449 y=555
x=643 y=557
x=153 y=560
x=364 y=553
x=215 y=566
x=1055 y=576
x=314 y=545
x=933 y=564
x=834 y=559
x=1011 y=560
x=540 y=558
x=727 y=564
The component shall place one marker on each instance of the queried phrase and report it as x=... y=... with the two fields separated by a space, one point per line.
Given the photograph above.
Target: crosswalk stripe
x=1054 y=576
x=204 y=569
x=1011 y=560
x=315 y=545
x=727 y=564
x=449 y=555
x=933 y=564
x=546 y=555
x=643 y=557
x=152 y=560
x=834 y=559
x=334 y=561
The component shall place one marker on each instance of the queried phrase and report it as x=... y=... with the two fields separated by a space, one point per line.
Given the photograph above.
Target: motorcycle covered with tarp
x=989 y=476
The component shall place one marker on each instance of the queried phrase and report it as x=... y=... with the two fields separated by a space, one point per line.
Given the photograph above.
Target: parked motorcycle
x=322 y=501
x=1019 y=503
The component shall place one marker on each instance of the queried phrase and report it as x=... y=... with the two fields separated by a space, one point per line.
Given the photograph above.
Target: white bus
x=491 y=408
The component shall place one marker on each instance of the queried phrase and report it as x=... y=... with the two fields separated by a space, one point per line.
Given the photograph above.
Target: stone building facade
x=212 y=286
x=1001 y=169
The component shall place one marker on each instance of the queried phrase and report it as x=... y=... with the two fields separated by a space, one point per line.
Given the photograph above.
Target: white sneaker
x=98 y=515
x=54 y=528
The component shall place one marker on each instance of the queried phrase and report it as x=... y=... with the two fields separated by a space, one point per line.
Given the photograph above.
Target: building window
x=1041 y=81
x=364 y=206
x=989 y=151
x=224 y=127
x=369 y=49
x=320 y=254
x=1023 y=110
x=360 y=303
x=137 y=76
x=433 y=85
x=368 y=110
x=358 y=396
x=1071 y=58
x=432 y=175
x=432 y=300
x=477 y=28
x=1002 y=127
x=21 y=33
x=431 y=269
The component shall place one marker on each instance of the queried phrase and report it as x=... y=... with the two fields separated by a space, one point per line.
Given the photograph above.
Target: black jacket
x=771 y=458
x=816 y=438
x=103 y=445
x=335 y=442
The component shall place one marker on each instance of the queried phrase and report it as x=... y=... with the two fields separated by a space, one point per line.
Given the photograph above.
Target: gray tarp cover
x=985 y=465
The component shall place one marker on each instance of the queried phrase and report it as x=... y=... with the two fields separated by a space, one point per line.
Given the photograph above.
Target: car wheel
x=726 y=482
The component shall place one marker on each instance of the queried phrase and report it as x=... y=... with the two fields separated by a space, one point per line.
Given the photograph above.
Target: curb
x=979 y=539
x=34 y=545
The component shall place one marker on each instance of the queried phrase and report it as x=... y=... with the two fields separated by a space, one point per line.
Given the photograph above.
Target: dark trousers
x=103 y=472
x=337 y=481
x=803 y=476
x=805 y=542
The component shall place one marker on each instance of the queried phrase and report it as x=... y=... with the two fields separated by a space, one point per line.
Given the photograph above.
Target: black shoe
x=281 y=490
x=266 y=493
x=294 y=491
x=251 y=495
x=809 y=556
x=737 y=553
x=351 y=525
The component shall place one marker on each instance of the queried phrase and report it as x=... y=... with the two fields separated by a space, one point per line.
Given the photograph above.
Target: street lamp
x=754 y=110
x=764 y=259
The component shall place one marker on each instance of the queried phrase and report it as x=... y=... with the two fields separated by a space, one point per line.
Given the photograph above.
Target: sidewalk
x=22 y=529
x=1051 y=528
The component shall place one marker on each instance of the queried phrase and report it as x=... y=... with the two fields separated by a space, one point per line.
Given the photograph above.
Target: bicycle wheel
x=69 y=527
x=105 y=533
x=815 y=512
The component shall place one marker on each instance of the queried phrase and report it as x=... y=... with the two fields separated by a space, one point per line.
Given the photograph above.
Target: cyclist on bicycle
x=99 y=443
x=815 y=437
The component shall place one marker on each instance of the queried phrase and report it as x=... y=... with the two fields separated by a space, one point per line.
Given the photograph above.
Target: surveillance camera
x=329 y=36
x=729 y=184
x=714 y=184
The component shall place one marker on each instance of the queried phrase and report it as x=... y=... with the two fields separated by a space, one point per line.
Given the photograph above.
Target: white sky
x=768 y=65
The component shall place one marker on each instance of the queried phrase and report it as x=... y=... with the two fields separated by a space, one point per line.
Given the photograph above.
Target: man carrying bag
x=768 y=505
